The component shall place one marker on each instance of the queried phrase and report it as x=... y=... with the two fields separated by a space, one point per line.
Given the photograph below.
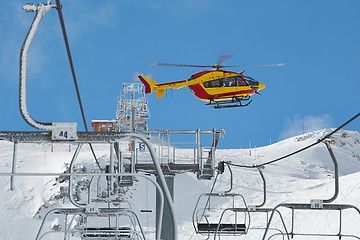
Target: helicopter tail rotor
x=149 y=84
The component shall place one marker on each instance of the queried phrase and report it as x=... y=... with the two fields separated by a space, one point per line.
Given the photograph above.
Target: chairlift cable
x=300 y=150
x=342 y=126
x=61 y=18
x=67 y=46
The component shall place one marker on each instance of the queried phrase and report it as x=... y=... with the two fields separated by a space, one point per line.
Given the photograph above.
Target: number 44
x=63 y=134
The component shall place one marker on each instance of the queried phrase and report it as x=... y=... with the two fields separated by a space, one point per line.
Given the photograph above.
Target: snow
x=296 y=179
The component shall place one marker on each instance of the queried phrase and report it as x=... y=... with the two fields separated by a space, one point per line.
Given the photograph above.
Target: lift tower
x=132 y=112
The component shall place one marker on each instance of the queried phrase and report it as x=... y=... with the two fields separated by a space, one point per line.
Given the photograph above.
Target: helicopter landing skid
x=234 y=102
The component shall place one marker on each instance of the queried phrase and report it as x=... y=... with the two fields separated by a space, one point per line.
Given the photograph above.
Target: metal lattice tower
x=132 y=112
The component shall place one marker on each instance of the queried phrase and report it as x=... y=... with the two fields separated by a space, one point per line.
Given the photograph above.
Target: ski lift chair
x=206 y=220
x=97 y=224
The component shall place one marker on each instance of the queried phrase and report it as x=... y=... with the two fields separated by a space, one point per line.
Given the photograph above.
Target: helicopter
x=219 y=88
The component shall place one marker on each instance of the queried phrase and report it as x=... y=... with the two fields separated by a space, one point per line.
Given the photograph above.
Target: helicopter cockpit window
x=240 y=81
x=251 y=81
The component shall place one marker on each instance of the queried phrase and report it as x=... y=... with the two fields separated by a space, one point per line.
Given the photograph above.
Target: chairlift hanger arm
x=336 y=171
x=40 y=10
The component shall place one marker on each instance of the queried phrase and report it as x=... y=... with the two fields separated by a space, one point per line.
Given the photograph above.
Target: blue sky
x=112 y=40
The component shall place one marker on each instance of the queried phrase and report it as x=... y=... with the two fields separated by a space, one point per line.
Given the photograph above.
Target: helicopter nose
x=261 y=86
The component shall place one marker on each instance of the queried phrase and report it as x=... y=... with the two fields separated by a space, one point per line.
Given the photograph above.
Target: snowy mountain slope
x=299 y=178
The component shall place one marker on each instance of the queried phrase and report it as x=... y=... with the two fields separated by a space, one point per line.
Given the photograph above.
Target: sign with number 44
x=64 y=131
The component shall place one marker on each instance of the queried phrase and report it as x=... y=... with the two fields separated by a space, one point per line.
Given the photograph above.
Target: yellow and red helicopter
x=217 y=87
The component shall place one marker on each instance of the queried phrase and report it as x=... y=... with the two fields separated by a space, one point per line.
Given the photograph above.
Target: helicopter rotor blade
x=180 y=65
x=218 y=65
x=222 y=58
x=259 y=65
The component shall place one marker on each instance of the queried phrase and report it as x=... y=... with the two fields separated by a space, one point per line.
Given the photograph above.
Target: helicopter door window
x=213 y=83
x=227 y=82
x=233 y=82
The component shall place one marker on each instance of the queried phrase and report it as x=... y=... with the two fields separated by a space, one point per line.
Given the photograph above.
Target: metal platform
x=42 y=137
x=203 y=159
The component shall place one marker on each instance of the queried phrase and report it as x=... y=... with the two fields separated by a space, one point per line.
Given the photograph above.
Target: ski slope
x=297 y=179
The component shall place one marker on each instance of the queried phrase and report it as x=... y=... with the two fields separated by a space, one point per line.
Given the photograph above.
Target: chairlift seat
x=91 y=233
x=126 y=181
x=223 y=228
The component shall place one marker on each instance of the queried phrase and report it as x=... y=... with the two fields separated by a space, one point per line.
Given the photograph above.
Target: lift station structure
x=134 y=153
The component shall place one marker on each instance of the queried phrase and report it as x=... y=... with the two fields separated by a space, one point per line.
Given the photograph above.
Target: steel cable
x=300 y=150
x=62 y=23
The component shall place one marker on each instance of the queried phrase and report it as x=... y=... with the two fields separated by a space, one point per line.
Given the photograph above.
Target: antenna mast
x=132 y=112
